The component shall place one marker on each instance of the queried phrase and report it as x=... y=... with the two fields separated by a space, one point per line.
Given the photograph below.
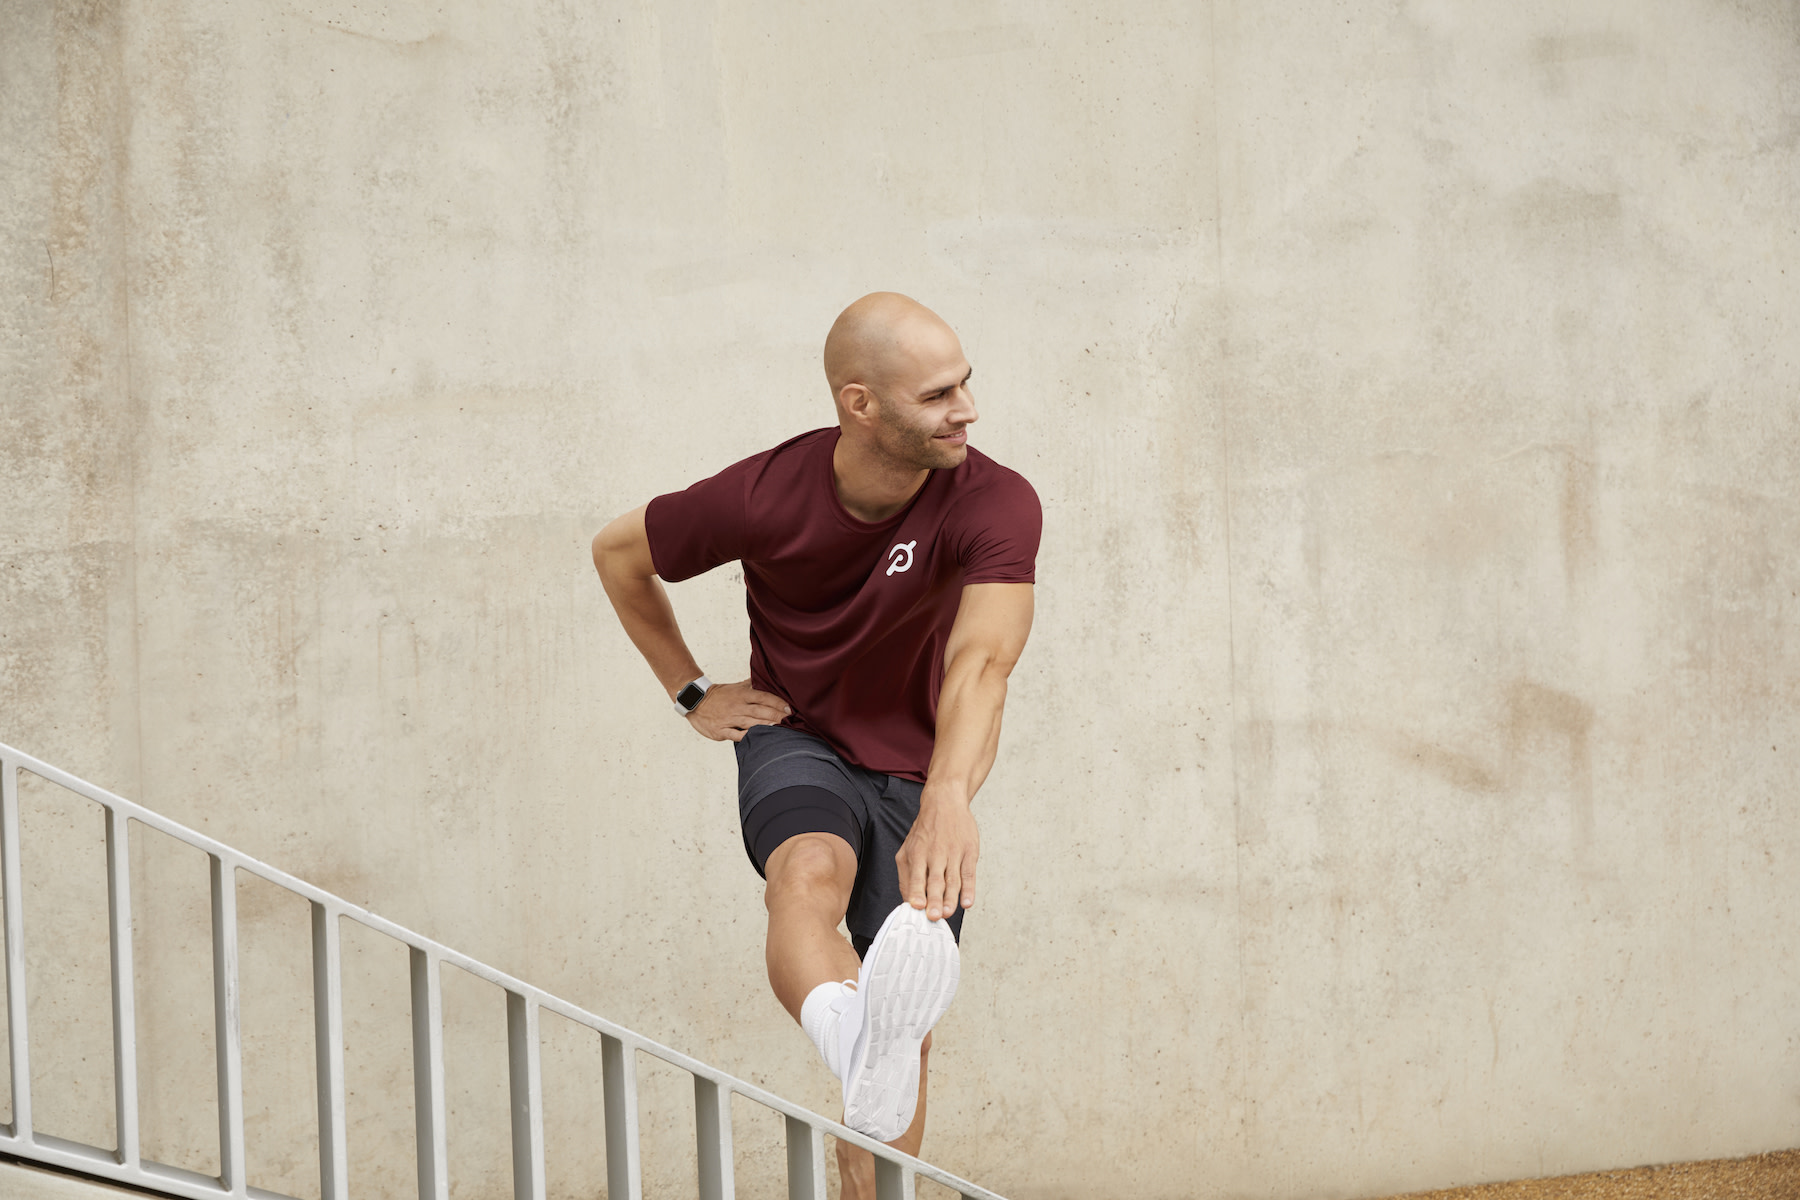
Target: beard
x=914 y=446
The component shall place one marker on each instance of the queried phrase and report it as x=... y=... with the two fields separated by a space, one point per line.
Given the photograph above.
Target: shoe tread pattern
x=911 y=980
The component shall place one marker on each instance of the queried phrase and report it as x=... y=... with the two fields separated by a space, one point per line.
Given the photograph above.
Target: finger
x=912 y=877
x=952 y=888
x=771 y=699
x=968 y=882
x=934 y=889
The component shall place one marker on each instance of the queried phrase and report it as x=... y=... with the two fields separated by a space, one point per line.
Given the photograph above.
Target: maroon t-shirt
x=848 y=619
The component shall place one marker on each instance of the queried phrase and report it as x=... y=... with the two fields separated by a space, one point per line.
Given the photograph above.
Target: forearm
x=628 y=573
x=644 y=610
x=968 y=729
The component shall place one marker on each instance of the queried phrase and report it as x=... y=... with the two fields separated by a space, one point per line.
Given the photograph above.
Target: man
x=889 y=570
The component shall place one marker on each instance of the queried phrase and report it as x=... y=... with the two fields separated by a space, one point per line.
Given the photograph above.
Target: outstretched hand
x=937 y=860
x=728 y=710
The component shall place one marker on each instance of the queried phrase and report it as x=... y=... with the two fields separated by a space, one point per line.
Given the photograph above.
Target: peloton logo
x=902 y=556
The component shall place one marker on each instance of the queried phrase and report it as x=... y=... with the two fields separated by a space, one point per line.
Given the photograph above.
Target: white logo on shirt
x=902 y=555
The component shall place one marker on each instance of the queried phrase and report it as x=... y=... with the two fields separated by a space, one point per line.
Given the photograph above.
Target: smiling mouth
x=959 y=435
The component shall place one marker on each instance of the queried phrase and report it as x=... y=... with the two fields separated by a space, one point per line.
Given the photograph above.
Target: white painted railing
x=895 y=1173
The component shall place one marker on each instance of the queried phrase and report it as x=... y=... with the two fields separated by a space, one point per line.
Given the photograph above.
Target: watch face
x=689 y=696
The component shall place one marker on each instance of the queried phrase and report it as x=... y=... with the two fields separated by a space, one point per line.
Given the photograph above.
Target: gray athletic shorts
x=789 y=769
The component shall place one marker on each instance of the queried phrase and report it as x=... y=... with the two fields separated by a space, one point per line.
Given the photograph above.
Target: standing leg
x=856 y=1167
x=809 y=880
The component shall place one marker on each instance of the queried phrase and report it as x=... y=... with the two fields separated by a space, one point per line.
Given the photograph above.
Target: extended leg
x=856 y=1167
x=809 y=881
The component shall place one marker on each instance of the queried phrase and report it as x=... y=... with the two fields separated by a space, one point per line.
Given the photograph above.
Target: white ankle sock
x=819 y=1018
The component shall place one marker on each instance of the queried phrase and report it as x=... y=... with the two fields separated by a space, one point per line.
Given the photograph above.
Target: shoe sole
x=906 y=985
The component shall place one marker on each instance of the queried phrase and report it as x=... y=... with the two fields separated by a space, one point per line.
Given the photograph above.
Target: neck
x=871 y=487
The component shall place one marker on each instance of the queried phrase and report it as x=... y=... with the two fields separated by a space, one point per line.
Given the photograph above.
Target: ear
x=856 y=401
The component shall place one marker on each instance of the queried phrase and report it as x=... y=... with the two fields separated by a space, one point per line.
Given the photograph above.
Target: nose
x=963 y=411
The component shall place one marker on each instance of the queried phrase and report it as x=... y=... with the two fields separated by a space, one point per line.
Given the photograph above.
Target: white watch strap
x=705 y=686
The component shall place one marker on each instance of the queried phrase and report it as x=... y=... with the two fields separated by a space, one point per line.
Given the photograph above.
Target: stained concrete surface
x=1759 y=1177
x=1397 y=791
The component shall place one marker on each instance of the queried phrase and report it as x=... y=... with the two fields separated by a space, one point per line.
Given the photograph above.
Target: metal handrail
x=895 y=1173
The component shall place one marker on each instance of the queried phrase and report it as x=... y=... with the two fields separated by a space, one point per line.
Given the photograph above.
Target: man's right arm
x=628 y=573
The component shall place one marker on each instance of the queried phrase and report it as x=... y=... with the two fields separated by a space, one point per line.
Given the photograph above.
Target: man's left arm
x=937 y=860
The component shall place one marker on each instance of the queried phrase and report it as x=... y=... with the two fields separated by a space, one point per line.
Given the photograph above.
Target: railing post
x=328 y=1050
x=806 y=1161
x=227 y=1026
x=712 y=1139
x=527 y=1097
x=713 y=1090
x=892 y=1180
x=624 y=1174
x=18 y=1041
x=124 y=1006
x=428 y=1076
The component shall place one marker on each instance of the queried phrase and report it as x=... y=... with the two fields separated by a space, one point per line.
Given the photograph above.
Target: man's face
x=924 y=407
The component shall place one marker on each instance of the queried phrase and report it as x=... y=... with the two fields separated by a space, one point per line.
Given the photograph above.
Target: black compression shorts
x=791 y=783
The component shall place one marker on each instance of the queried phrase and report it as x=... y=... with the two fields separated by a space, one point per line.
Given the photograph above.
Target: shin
x=809 y=881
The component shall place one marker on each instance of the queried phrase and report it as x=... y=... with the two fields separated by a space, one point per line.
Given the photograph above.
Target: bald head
x=876 y=340
x=901 y=385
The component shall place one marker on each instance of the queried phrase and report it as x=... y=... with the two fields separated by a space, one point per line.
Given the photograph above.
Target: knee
x=809 y=867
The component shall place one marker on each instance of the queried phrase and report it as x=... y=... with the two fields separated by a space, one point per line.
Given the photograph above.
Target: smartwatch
x=689 y=697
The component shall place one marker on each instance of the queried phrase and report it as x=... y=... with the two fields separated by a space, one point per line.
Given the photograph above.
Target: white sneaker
x=907 y=981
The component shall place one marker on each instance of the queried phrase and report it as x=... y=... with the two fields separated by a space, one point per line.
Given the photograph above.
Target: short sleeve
x=1000 y=544
x=693 y=531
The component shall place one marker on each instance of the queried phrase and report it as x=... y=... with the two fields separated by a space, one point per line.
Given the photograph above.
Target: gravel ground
x=1764 y=1177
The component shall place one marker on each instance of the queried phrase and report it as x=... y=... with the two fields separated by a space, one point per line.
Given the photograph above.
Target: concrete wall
x=1398 y=790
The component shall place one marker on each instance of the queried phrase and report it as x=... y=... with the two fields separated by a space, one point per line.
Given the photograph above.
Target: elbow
x=622 y=551
x=997 y=671
x=985 y=668
x=610 y=543
x=994 y=665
